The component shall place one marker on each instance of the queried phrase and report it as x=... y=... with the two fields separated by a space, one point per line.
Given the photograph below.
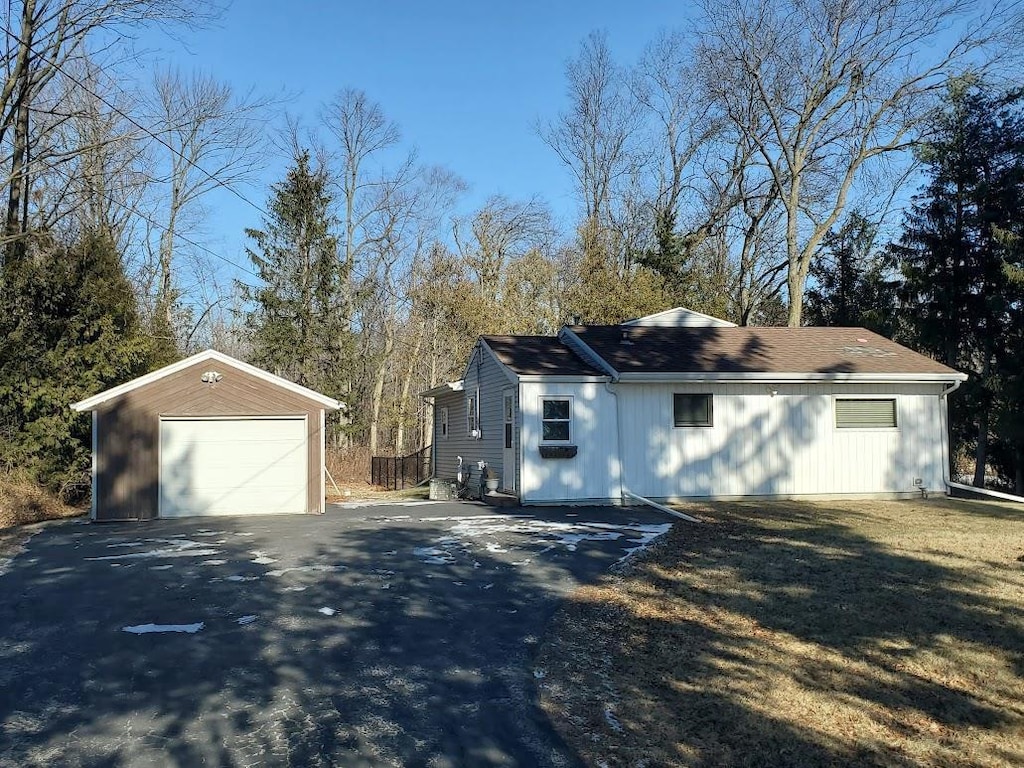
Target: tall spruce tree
x=957 y=259
x=299 y=322
x=71 y=329
x=848 y=287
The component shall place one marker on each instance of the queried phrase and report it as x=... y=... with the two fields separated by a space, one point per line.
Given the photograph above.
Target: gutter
x=943 y=399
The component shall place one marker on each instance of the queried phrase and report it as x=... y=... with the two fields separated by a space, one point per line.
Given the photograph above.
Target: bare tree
x=209 y=138
x=837 y=85
x=42 y=39
x=499 y=231
x=593 y=137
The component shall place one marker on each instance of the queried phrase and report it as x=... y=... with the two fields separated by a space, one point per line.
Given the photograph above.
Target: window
x=473 y=414
x=556 y=416
x=864 y=413
x=692 y=410
x=443 y=423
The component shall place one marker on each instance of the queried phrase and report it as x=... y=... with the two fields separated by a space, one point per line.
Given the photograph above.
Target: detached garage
x=209 y=435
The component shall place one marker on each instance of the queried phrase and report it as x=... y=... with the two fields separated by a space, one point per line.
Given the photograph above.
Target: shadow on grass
x=416 y=663
x=795 y=634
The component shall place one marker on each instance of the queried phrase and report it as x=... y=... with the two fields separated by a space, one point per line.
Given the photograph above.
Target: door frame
x=508 y=440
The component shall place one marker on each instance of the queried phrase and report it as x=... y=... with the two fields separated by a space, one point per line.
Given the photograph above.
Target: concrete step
x=501 y=499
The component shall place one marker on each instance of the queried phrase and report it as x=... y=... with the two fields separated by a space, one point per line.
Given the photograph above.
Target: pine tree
x=300 y=321
x=960 y=302
x=70 y=329
x=848 y=287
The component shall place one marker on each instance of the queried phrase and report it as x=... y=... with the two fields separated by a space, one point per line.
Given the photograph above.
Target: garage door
x=232 y=466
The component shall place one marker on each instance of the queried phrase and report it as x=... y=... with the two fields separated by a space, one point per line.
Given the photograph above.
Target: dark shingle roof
x=539 y=355
x=754 y=350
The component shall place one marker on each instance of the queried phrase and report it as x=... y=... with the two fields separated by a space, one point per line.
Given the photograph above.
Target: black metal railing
x=399 y=472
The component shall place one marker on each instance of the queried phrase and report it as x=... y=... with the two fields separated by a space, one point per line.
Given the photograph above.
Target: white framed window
x=442 y=421
x=866 y=413
x=556 y=419
x=693 y=409
x=473 y=413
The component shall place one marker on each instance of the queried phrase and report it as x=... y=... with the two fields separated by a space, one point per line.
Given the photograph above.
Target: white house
x=681 y=405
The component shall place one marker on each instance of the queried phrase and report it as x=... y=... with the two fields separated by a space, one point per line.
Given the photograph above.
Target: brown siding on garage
x=128 y=432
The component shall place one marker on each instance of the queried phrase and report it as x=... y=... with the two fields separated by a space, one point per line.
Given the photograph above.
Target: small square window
x=556 y=420
x=692 y=410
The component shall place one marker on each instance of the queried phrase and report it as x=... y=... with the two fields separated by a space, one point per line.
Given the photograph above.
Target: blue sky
x=466 y=81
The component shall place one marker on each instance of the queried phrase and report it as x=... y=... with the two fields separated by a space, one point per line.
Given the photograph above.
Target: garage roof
x=211 y=355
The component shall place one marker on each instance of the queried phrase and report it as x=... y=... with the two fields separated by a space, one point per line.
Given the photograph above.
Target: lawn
x=886 y=633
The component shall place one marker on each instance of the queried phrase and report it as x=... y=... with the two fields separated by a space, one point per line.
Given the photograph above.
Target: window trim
x=894 y=399
x=443 y=423
x=559 y=398
x=698 y=424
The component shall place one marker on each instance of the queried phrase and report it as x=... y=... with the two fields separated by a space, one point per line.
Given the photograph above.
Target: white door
x=508 y=454
x=232 y=466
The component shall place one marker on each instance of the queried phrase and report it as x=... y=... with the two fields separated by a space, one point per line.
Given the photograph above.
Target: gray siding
x=486 y=373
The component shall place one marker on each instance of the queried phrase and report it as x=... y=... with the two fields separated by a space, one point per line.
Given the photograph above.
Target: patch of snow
x=262 y=558
x=327 y=611
x=160 y=567
x=174 y=548
x=236 y=577
x=294 y=589
x=433 y=555
x=494 y=547
x=539 y=674
x=145 y=629
x=487 y=586
x=243 y=620
x=612 y=720
x=214 y=562
x=308 y=569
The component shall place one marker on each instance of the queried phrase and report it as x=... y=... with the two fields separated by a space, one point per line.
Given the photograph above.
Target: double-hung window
x=556 y=419
x=443 y=422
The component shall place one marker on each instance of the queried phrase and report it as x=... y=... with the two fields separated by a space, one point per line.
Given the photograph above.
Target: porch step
x=501 y=499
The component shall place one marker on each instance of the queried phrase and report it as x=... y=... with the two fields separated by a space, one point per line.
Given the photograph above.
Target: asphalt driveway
x=374 y=635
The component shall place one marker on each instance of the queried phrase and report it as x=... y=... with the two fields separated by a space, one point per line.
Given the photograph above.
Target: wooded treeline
x=748 y=167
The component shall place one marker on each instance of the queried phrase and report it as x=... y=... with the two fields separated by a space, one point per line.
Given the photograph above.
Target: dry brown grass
x=23 y=503
x=829 y=634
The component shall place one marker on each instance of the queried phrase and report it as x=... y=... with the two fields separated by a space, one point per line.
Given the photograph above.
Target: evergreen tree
x=300 y=321
x=848 y=285
x=70 y=329
x=957 y=259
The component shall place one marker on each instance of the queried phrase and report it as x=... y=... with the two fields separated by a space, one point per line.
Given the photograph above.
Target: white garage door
x=232 y=466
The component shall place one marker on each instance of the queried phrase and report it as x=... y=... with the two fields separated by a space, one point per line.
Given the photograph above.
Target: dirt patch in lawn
x=800 y=634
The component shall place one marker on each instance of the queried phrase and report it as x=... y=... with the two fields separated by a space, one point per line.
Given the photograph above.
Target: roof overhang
x=211 y=355
x=561 y=379
x=443 y=389
x=794 y=378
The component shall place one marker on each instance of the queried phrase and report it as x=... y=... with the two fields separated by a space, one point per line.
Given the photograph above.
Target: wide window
x=556 y=419
x=443 y=422
x=692 y=410
x=865 y=413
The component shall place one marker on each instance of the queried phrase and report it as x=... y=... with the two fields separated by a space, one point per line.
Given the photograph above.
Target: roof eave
x=790 y=377
x=443 y=389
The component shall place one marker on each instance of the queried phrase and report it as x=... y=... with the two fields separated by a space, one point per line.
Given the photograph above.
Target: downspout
x=624 y=492
x=943 y=395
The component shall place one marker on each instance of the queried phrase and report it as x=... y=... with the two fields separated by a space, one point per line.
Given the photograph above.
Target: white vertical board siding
x=783 y=444
x=593 y=474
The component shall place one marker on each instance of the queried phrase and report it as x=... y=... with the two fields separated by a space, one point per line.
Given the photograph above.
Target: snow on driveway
x=496 y=533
